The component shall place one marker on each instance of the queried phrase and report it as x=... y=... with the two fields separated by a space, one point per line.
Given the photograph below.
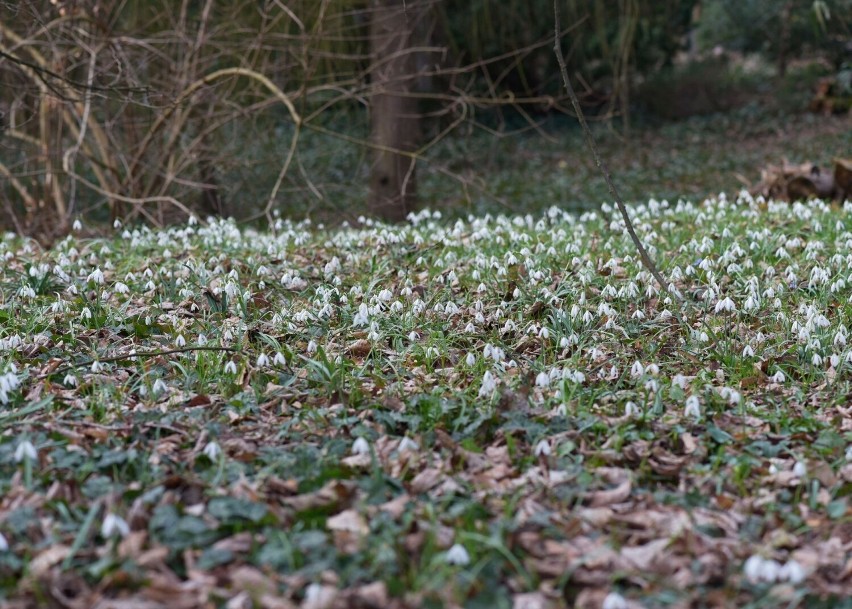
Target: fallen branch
x=590 y=142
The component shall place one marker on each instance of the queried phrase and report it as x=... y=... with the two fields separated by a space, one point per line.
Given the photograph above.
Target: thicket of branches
x=149 y=110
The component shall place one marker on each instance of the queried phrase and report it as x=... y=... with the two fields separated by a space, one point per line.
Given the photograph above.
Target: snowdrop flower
x=279 y=359
x=470 y=360
x=114 y=525
x=779 y=377
x=362 y=317
x=848 y=454
x=542 y=448
x=748 y=351
x=262 y=360
x=800 y=470
x=408 y=445
x=816 y=360
x=4 y=545
x=457 y=555
x=360 y=447
x=693 y=407
x=70 y=380
x=86 y=313
x=159 y=387
x=25 y=451
x=637 y=370
x=614 y=600
x=77 y=226
x=753 y=567
x=96 y=276
x=212 y=450
x=413 y=336
x=631 y=409
x=230 y=367
x=542 y=380
x=180 y=341
x=793 y=572
x=8 y=382
x=726 y=305
x=312 y=346
x=489 y=385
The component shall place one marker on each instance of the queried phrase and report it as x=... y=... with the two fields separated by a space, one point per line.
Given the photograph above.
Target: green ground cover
x=498 y=411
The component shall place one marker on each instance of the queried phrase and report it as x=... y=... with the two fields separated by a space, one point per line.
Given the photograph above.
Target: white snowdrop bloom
x=457 y=555
x=86 y=313
x=96 y=276
x=751 y=304
x=637 y=370
x=312 y=346
x=230 y=367
x=396 y=307
x=542 y=448
x=563 y=342
x=25 y=450
x=693 y=407
x=542 y=380
x=800 y=470
x=8 y=382
x=70 y=380
x=816 y=359
x=614 y=600
x=793 y=572
x=4 y=544
x=159 y=387
x=752 y=568
x=77 y=225
x=212 y=450
x=279 y=359
x=773 y=469
x=769 y=571
x=726 y=304
x=544 y=333
x=180 y=341
x=362 y=317
x=360 y=446
x=121 y=288
x=638 y=314
x=262 y=360
x=469 y=328
x=408 y=445
x=413 y=336
x=114 y=525
x=652 y=385
x=848 y=454
x=470 y=360
x=748 y=351
x=834 y=360
x=385 y=295
x=778 y=377
x=96 y=366
x=489 y=385
x=631 y=409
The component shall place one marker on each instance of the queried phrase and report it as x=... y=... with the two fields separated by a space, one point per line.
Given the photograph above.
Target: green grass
x=446 y=412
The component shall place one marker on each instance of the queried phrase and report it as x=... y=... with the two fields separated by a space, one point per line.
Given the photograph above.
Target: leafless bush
x=145 y=110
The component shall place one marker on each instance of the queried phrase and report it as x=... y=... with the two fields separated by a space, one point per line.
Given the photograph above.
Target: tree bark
x=394 y=120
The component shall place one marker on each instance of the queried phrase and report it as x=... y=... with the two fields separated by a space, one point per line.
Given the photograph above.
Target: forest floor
x=499 y=412
x=530 y=170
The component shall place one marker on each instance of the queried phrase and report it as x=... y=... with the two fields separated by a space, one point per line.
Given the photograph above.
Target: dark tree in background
x=394 y=114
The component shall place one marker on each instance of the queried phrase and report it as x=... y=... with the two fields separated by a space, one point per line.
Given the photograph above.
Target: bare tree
x=394 y=116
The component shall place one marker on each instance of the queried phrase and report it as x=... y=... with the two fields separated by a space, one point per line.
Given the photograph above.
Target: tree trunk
x=394 y=120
